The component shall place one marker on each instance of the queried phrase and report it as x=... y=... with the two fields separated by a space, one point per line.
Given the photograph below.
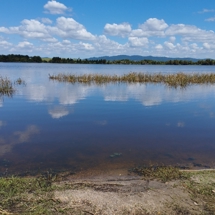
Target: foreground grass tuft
x=202 y=187
x=28 y=196
x=173 y=80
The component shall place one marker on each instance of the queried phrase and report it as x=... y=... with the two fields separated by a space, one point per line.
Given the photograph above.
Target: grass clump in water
x=20 y=81
x=6 y=87
x=162 y=173
x=173 y=80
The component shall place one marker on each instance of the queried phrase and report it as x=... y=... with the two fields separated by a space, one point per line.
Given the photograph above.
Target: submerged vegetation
x=174 y=80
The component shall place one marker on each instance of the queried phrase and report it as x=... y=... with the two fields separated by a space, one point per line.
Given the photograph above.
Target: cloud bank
x=66 y=37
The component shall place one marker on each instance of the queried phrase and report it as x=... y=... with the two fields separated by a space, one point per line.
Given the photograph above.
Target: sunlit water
x=78 y=127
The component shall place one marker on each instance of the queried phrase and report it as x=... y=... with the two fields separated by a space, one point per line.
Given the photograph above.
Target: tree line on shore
x=38 y=59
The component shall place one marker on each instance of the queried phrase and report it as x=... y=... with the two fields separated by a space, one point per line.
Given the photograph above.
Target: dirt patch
x=127 y=195
x=147 y=193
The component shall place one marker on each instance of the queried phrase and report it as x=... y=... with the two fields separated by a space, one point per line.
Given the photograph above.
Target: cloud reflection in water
x=17 y=138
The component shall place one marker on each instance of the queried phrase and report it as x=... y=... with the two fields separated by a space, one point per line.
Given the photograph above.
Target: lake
x=48 y=125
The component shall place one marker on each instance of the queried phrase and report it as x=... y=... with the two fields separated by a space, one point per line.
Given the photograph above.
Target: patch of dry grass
x=173 y=80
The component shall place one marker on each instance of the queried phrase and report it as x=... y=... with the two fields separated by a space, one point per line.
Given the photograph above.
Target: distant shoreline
x=12 y=58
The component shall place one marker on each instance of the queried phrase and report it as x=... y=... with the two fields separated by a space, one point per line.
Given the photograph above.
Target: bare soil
x=127 y=194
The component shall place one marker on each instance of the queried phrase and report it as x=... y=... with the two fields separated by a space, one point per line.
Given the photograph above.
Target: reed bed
x=174 y=80
x=6 y=87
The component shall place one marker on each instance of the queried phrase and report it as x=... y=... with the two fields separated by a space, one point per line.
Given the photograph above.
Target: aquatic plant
x=20 y=81
x=173 y=80
x=6 y=87
x=115 y=154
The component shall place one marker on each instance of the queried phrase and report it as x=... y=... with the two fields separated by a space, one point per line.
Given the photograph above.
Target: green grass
x=162 y=173
x=29 y=196
x=35 y=195
x=202 y=187
x=47 y=59
x=173 y=80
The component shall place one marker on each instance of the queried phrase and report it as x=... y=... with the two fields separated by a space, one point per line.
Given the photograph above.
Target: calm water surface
x=78 y=127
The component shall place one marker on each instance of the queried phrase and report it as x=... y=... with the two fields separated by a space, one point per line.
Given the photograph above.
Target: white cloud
x=194 y=46
x=206 y=11
x=55 y=7
x=66 y=42
x=181 y=29
x=69 y=28
x=65 y=28
x=50 y=40
x=4 y=30
x=154 y=24
x=169 y=45
x=211 y=19
x=4 y=44
x=206 y=45
x=54 y=38
x=138 y=42
x=159 y=47
x=172 y=39
x=58 y=112
x=152 y=27
x=46 y=20
x=25 y=45
x=30 y=29
x=121 y=30
x=103 y=45
x=86 y=46
x=209 y=46
x=190 y=33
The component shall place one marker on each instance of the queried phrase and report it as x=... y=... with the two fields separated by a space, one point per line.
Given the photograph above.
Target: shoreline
x=190 y=192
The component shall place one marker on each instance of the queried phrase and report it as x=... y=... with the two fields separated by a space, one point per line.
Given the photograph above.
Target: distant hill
x=139 y=58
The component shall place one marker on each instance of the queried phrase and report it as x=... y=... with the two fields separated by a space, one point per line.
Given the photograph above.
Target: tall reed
x=6 y=87
x=174 y=80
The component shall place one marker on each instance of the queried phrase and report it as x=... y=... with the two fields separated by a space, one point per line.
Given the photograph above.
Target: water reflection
x=79 y=126
x=18 y=137
x=2 y=123
x=58 y=112
x=146 y=94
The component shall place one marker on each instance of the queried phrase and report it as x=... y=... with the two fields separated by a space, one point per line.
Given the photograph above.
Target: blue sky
x=87 y=28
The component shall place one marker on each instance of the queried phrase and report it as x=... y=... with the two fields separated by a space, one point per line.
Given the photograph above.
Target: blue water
x=77 y=127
